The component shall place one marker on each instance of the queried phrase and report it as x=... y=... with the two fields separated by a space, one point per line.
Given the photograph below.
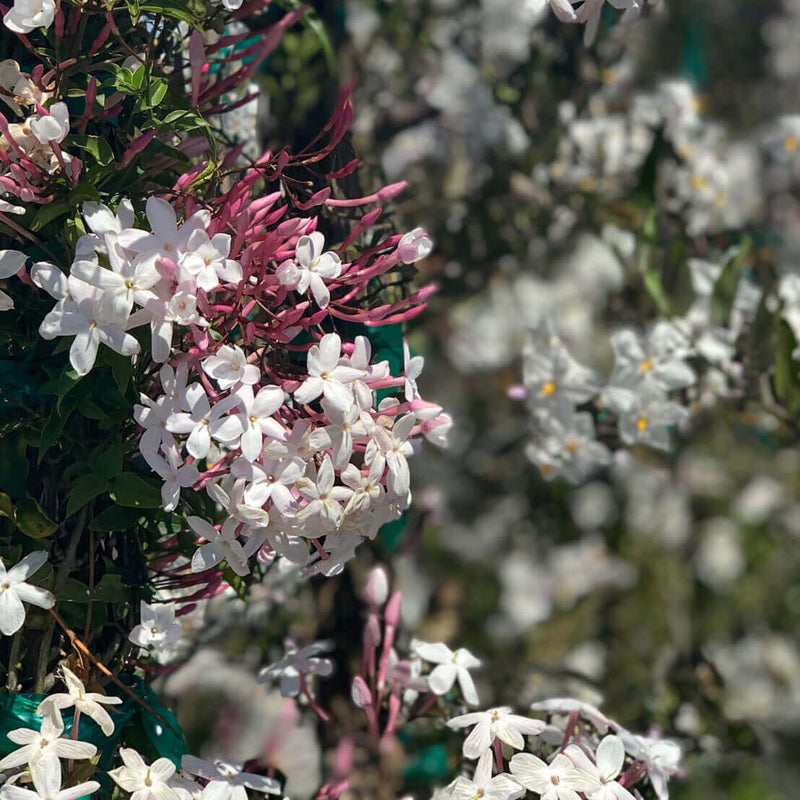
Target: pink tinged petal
x=206 y=557
x=330 y=347
x=436 y=652
x=12 y=612
x=11 y=262
x=230 y=271
x=163 y=769
x=131 y=758
x=17 y=758
x=530 y=771
x=69 y=748
x=162 y=219
x=217 y=790
x=35 y=595
x=199 y=441
x=310 y=390
x=336 y=394
x=479 y=740
x=251 y=443
x=227 y=429
x=161 y=340
x=288 y=274
x=502 y=787
x=525 y=725
x=610 y=757
x=442 y=678
x=102 y=718
x=465 y=720
x=83 y=351
x=18 y=793
x=27 y=566
x=119 y=341
x=467 y=685
x=507 y=733
x=320 y=291
x=126 y=780
x=163 y=792
x=75 y=792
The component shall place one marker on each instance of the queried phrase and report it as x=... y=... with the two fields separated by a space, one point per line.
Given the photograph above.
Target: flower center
x=641 y=424
x=555 y=780
x=549 y=389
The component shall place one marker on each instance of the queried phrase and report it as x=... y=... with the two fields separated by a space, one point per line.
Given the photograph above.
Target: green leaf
x=32 y=521
x=52 y=430
x=121 y=369
x=725 y=288
x=6 y=506
x=98 y=147
x=158 y=91
x=129 y=489
x=787 y=379
x=13 y=465
x=108 y=463
x=110 y=589
x=84 y=489
x=655 y=288
x=115 y=518
x=48 y=213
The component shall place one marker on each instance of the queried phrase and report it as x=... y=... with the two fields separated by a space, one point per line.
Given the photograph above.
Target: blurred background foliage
x=667 y=589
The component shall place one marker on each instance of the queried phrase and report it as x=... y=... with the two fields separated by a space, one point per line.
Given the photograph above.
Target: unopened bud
x=392 y=612
x=377 y=589
x=414 y=246
x=360 y=693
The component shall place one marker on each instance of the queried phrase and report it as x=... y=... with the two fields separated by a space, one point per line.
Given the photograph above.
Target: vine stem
x=61 y=577
x=16 y=646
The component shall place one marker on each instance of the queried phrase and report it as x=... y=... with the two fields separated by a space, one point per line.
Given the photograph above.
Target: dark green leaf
x=725 y=288
x=32 y=521
x=84 y=489
x=129 y=489
x=115 y=518
x=13 y=465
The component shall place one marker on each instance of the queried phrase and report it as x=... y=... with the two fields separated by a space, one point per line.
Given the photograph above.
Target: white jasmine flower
x=228 y=366
x=258 y=419
x=52 y=127
x=88 y=703
x=158 y=626
x=226 y=779
x=221 y=545
x=499 y=787
x=11 y=262
x=610 y=757
x=14 y=591
x=295 y=662
x=326 y=376
x=27 y=15
x=145 y=782
x=659 y=358
x=175 y=474
x=495 y=723
x=452 y=666
x=47 y=783
x=46 y=745
x=559 y=780
x=313 y=266
x=661 y=756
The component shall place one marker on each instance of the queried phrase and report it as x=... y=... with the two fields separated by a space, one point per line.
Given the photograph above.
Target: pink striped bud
x=377 y=589
x=360 y=693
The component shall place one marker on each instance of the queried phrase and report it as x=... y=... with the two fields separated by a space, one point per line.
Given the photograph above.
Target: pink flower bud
x=414 y=246
x=392 y=613
x=377 y=589
x=360 y=693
